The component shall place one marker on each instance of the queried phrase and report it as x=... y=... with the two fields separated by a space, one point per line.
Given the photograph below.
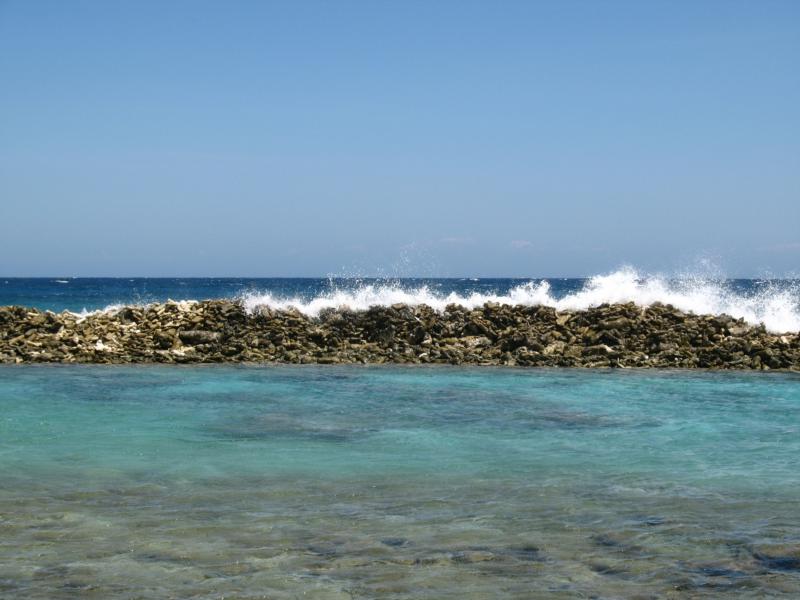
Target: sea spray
x=776 y=305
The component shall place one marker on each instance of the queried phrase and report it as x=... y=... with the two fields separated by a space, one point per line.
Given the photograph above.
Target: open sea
x=326 y=482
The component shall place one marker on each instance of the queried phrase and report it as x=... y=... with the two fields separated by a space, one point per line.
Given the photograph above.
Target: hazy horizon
x=676 y=276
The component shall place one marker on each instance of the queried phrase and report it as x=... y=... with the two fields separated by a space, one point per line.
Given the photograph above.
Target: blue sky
x=398 y=138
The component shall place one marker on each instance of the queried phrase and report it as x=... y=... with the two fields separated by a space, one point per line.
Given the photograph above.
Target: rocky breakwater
x=619 y=335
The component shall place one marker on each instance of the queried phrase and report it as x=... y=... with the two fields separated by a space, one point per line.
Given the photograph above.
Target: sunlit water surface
x=315 y=482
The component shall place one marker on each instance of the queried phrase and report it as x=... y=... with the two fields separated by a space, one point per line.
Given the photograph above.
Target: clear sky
x=559 y=138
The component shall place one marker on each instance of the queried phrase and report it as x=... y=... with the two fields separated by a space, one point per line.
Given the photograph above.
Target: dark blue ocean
x=96 y=293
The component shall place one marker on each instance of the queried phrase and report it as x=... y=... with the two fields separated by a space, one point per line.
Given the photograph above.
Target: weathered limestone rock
x=620 y=335
x=198 y=336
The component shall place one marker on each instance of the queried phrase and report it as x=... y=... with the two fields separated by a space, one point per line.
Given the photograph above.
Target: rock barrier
x=216 y=331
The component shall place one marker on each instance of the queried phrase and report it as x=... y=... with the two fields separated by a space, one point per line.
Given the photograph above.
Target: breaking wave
x=776 y=304
x=773 y=303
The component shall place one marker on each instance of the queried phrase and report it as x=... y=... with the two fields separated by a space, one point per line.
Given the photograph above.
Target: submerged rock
x=619 y=336
x=778 y=558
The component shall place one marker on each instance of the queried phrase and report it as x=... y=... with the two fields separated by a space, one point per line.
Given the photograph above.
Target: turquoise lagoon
x=374 y=482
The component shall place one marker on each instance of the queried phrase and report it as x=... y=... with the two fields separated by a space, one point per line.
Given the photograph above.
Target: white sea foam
x=111 y=308
x=183 y=305
x=777 y=307
x=776 y=304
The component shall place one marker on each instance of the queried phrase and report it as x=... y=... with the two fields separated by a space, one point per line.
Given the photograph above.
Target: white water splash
x=111 y=309
x=778 y=308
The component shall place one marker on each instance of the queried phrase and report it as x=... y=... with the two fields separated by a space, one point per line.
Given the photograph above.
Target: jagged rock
x=196 y=336
x=623 y=335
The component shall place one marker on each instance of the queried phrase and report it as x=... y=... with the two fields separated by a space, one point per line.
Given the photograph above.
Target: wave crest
x=776 y=306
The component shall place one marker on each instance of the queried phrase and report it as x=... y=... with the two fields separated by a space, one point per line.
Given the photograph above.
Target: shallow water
x=363 y=482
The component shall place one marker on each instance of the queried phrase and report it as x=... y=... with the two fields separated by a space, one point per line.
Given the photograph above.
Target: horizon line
x=380 y=277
